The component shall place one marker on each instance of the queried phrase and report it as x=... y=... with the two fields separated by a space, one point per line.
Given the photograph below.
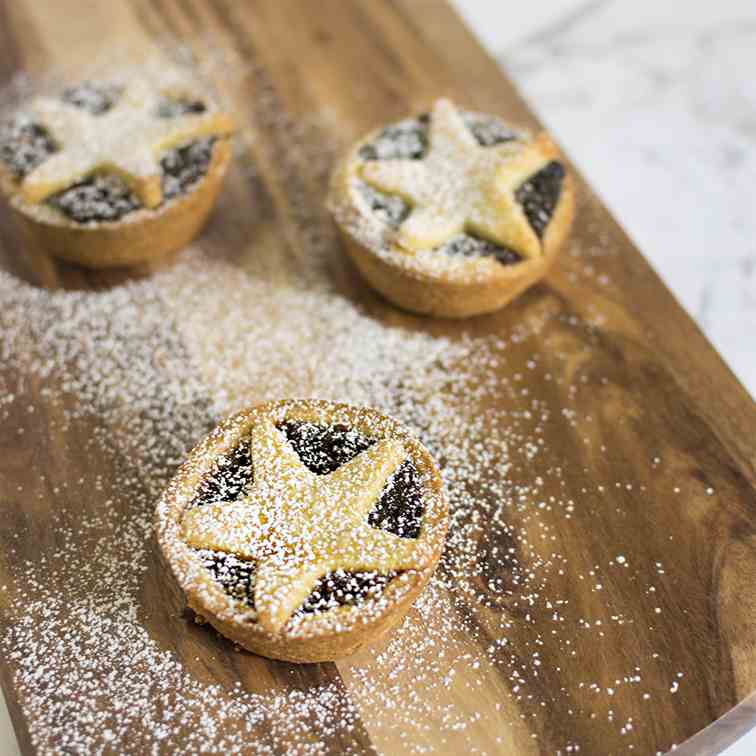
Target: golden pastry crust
x=323 y=635
x=137 y=237
x=417 y=280
x=126 y=139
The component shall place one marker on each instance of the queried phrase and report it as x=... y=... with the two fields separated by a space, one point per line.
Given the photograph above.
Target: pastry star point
x=299 y=526
x=127 y=140
x=460 y=186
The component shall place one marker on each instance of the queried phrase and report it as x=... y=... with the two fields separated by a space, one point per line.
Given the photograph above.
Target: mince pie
x=116 y=172
x=452 y=213
x=303 y=529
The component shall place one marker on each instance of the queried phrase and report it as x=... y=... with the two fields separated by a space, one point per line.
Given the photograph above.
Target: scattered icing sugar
x=133 y=376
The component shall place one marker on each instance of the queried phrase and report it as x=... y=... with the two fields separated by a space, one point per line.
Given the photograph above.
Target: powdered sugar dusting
x=97 y=647
x=456 y=186
x=408 y=192
x=126 y=138
x=298 y=526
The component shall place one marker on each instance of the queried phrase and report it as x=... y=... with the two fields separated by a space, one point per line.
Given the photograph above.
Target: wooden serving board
x=597 y=593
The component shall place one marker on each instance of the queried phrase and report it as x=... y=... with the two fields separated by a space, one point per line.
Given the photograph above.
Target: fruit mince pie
x=115 y=173
x=452 y=213
x=304 y=529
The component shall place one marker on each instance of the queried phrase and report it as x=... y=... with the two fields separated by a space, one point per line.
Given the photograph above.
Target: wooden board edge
x=723 y=732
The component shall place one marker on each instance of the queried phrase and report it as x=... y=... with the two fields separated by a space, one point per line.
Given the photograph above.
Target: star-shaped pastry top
x=461 y=186
x=299 y=526
x=127 y=140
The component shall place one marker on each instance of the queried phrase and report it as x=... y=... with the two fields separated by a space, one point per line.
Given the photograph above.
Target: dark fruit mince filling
x=235 y=575
x=94 y=98
x=322 y=450
x=539 y=195
x=389 y=208
x=469 y=245
x=172 y=107
x=488 y=131
x=408 y=140
x=98 y=198
x=24 y=145
x=230 y=476
x=107 y=198
x=344 y=589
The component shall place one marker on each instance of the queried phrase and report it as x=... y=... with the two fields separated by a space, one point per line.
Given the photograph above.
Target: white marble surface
x=655 y=100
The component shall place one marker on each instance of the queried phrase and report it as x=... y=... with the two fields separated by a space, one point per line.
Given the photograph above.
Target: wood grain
x=642 y=372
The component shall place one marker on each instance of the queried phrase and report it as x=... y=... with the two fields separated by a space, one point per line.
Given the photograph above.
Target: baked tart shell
x=140 y=236
x=436 y=293
x=321 y=636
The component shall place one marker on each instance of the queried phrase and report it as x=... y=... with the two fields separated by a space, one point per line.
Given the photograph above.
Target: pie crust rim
x=324 y=635
x=476 y=285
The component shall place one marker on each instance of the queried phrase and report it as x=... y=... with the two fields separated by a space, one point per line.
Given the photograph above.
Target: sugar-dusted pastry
x=115 y=173
x=303 y=529
x=452 y=213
